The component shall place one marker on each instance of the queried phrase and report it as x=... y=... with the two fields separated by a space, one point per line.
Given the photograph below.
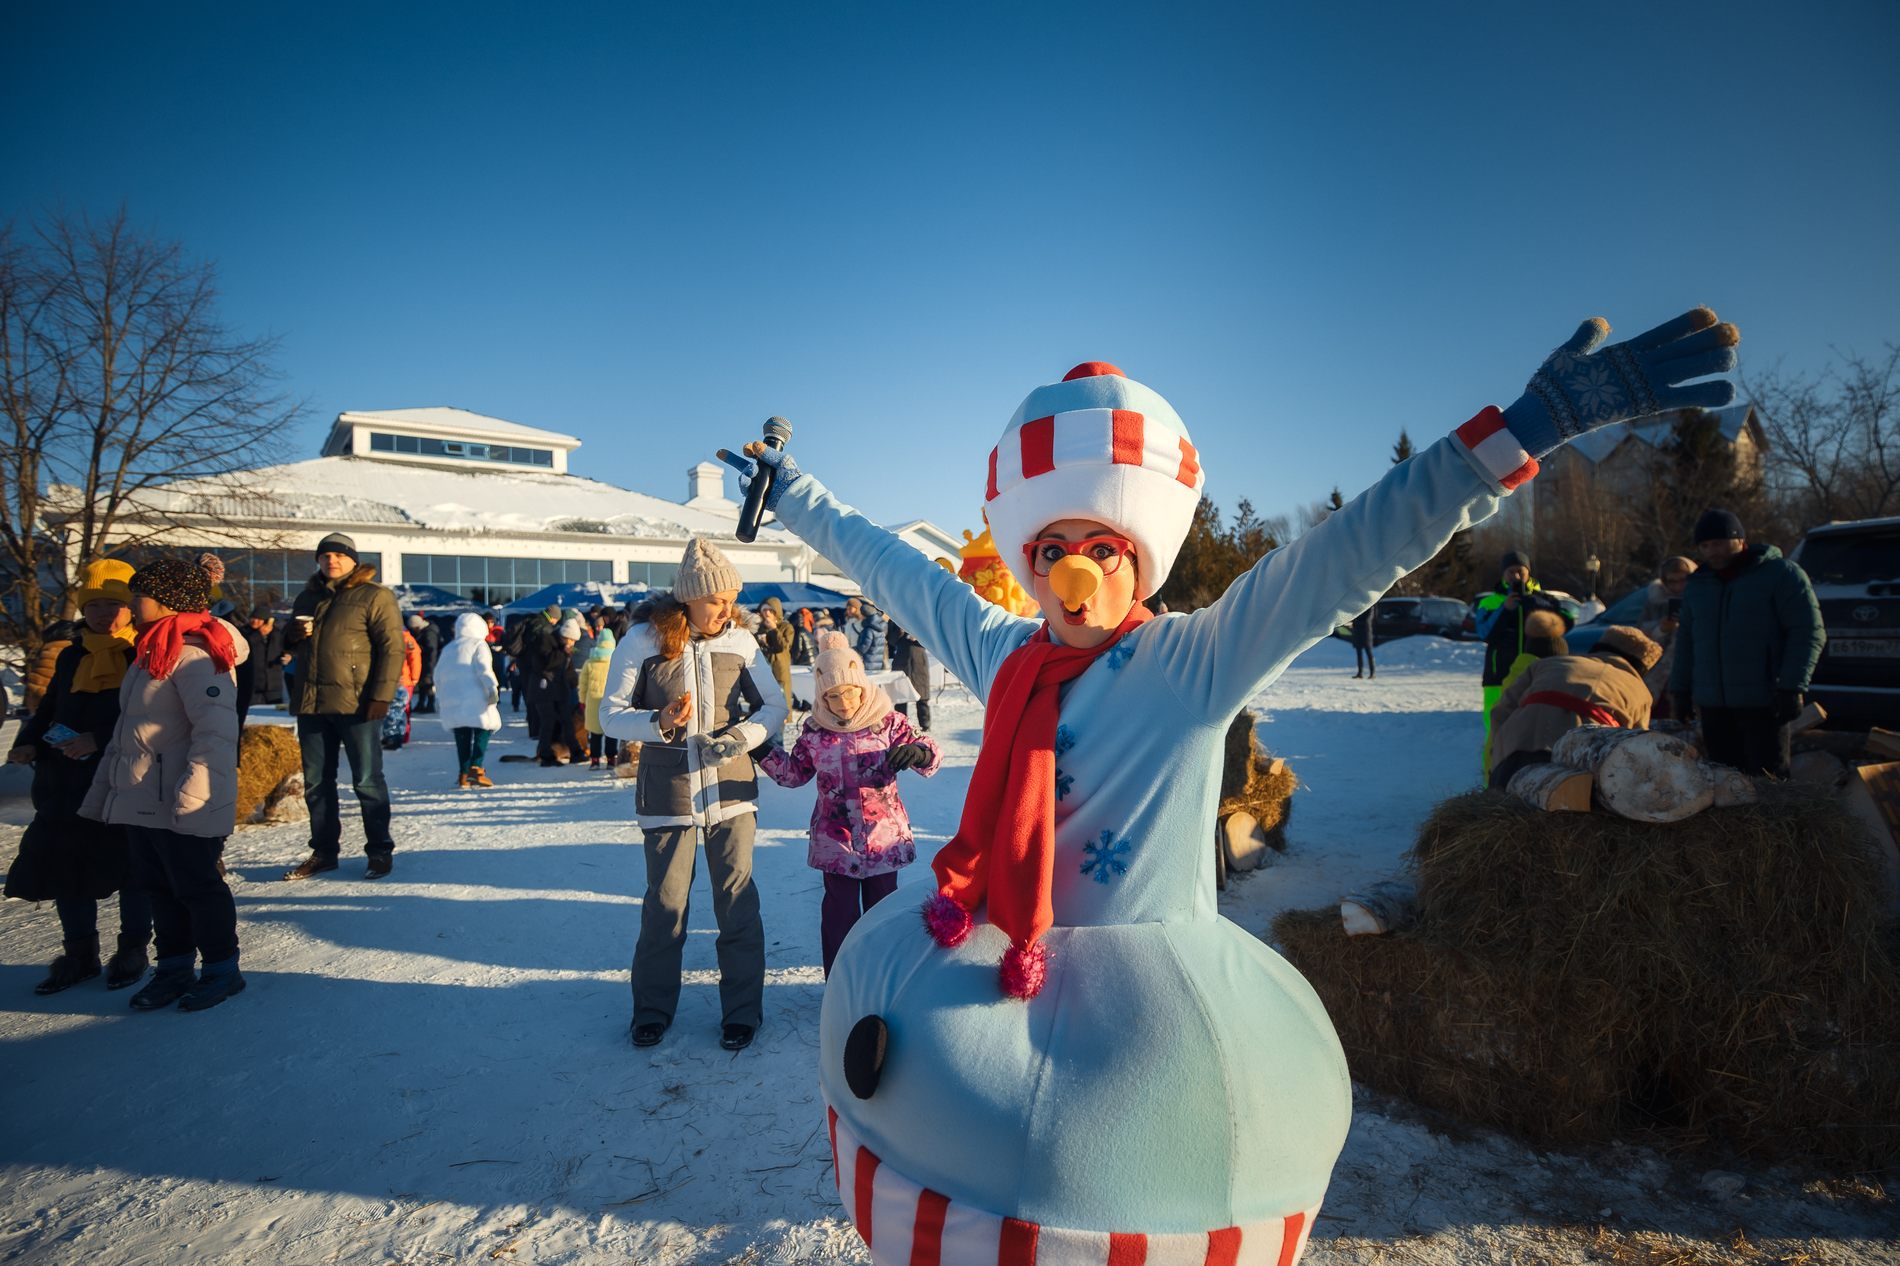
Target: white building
x=479 y=506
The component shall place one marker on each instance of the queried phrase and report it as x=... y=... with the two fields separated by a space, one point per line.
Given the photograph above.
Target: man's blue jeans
x=321 y=737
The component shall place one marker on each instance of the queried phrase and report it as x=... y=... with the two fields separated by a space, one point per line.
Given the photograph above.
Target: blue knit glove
x=748 y=466
x=1579 y=388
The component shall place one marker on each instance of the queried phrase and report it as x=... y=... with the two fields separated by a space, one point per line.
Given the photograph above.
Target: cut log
x=1275 y=767
x=1387 y=906
x=1684 y=730
x=1883 y=743
x=1642 y=775
x=1553 y=788
x=1809 y=717
x=1244 y=841
x=1732 y=786
x=1822 y=769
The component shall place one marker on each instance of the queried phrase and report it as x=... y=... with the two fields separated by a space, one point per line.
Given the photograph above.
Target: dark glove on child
x=908 y=756
x=1788 y=705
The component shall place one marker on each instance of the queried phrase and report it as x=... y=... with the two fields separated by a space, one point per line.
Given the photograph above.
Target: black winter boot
x=127 y=966
x=80 y=962
x=164 y=988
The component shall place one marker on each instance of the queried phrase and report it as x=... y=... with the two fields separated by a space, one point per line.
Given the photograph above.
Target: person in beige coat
x=1563 y=692
x=169 y=776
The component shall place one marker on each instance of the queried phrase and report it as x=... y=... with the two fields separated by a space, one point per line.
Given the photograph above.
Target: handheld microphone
x=777 y=431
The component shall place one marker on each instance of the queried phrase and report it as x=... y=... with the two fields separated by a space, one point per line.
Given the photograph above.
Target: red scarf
x=1594 y=713
x=1004 y=849
x=162 y=641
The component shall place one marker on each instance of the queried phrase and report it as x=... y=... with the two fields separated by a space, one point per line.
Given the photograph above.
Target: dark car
x=1627 y=609
x=1403 y=617
x=1855 y=570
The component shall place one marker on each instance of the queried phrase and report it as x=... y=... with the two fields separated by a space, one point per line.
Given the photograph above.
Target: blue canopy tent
x=432 y=598
x=579 y=594
x=791 y=595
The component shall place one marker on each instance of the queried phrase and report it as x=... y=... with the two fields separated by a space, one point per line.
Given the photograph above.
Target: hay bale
x=1484 y=1038
x=1732 y=966
x=267 y=754
x=1255 y=783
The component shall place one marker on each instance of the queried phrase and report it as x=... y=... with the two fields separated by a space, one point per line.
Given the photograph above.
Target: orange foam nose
x=1075 y=580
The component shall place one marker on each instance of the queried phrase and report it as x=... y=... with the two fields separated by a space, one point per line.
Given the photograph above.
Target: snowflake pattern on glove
x=1106 y=859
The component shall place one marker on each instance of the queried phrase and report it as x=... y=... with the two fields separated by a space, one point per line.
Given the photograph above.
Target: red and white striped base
x=1496 y=449
x=904 y=1224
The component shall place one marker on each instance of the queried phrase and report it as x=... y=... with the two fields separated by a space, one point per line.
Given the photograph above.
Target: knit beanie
x=1719 y=525
x=1516 y=558
x=1632 y=644
x=570 y=629
x=704 y=572
x=836 y=664
x=180 y=585
x=106 y=581
x=337 y=543
x=1097 y=445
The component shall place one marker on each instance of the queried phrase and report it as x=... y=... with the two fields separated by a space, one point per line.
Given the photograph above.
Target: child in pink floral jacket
x=855 y=743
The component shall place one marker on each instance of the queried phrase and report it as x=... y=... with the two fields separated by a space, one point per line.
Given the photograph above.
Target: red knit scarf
x=1004 y=849
x=162 y=641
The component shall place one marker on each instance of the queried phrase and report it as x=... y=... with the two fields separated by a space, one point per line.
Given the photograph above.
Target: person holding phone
x=72 y=861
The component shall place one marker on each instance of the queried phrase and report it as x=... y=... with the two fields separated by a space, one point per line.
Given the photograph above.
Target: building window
x=499 y=581
x=461 y=450
x=658 y=575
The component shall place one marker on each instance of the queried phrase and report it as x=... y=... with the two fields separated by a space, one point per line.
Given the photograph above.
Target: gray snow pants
x=741 y=944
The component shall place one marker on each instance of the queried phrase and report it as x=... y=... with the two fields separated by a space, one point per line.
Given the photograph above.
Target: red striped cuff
x=1497 y=450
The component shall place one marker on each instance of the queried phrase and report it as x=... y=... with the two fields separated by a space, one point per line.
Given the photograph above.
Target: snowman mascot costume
x=1065 y=1054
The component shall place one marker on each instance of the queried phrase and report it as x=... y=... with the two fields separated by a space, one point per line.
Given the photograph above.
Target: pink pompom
x=1024 y=969
x=212 y=566
x=948 y=923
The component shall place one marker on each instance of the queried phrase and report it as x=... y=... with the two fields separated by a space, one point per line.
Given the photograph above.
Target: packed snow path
x=435 y=1067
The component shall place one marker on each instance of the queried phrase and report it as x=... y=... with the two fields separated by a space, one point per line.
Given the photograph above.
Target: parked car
x=1627 y=609
x=1403 y=617
x=1855 y=570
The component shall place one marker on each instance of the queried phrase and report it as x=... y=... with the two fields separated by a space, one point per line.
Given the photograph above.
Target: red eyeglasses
x=1105 y=552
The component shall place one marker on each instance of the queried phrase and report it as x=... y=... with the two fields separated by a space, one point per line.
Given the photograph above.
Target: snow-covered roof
x=1655 y=432
x=457 y=421
x=502 y=500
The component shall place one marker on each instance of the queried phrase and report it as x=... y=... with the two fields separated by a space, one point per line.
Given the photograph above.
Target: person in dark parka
x=429 y=638
x=1499 y=619
x=1362 y=644
x=909 y=657
x=1749 y=637
x=75 y=862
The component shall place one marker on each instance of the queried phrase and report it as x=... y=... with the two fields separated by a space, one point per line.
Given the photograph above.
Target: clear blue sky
x=651 y=226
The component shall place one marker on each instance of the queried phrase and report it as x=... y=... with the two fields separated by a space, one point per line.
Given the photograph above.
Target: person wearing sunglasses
x=1067 y=1001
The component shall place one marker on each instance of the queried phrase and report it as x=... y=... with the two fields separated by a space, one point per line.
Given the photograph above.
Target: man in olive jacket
x=1749 y=636
x=346 y=635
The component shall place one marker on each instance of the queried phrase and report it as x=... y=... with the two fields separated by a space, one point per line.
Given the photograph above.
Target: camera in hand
x=1675 y=607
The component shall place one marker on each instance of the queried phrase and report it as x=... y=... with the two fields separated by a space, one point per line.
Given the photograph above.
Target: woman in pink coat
x=855 y=743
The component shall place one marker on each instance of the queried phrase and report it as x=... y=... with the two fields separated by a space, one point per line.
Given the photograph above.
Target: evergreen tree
x=1403 y=449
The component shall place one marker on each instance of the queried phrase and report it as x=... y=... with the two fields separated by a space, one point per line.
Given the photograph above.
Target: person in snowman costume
x=1065 y=1053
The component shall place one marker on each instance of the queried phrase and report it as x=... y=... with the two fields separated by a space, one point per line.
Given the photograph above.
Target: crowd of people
x=135 y=713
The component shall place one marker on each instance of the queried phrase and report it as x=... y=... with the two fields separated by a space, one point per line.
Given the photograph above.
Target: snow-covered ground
x=435 y=1068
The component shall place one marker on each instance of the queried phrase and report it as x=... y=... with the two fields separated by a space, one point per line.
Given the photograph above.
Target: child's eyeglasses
x=1105 y=552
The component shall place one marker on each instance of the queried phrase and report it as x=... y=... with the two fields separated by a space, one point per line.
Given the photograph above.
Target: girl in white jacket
x=466 y=695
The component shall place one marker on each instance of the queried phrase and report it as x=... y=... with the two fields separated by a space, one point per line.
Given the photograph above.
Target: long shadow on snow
x=485 y=1095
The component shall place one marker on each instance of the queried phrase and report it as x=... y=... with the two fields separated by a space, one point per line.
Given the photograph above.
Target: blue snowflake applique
x=1065 y=740
x=1105 y=860
x=1119 y=653
x=1065 y=783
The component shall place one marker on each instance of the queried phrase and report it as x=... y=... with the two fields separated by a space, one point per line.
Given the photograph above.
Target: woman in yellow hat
x=64 y=858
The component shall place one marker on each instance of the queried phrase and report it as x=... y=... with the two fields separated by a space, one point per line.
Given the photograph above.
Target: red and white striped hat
x=1097 y=445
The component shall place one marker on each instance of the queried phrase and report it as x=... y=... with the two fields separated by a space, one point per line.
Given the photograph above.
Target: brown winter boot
x=80 y=962
x=463 y=780
x=476 y=778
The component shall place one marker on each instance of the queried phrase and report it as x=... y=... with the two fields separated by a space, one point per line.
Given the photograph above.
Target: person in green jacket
x=1500 y=616
x=1746 y=645
x=346 y=636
